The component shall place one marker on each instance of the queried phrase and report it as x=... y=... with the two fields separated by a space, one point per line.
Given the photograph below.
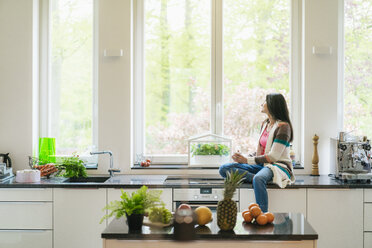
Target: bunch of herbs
x=72 y=167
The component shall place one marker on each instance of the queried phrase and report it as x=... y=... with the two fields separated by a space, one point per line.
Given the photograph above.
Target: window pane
x=358 y=67
x=177 y=73
x=71 y=63
x=256 y=62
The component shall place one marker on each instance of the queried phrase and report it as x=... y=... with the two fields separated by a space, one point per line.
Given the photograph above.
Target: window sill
x=185 y=167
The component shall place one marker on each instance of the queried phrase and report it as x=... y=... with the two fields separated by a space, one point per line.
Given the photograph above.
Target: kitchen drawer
x=26 y=238
x=367 y=195
x=25 y=194
x=367 y=239
x=26 y=215
x=368 y=217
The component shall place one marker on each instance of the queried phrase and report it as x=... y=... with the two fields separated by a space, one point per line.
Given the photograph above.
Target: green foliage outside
x=72 y=167
x=138 y=202
x=358 y=67
x=256 y=58
x=209 y=149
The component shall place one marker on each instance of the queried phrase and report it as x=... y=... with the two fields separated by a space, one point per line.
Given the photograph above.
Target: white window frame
x=44 y=126
x=216 y=119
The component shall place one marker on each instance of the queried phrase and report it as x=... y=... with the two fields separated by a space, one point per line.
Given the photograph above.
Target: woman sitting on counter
x=272 y=160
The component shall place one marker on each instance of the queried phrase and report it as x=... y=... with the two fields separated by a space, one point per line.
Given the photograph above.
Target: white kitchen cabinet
x=368 y=195
x=367 y=239
x=280 y=200
x=368 y=217
x=26 y=238
x=77 y=213
x=26 y=215
x=337 y=216
x=26 y=194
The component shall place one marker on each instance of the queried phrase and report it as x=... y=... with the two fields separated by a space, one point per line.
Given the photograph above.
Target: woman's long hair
x=278 y=109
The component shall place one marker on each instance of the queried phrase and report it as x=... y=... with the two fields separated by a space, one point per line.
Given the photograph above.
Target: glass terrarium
x=209 y=150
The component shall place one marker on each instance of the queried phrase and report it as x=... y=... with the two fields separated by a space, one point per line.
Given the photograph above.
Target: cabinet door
x=280 y=200
x=337 y=216
x=77 y=213
x=367 y=239
x=26 y=238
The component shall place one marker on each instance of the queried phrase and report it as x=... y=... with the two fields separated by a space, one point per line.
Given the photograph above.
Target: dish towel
x=280 y=178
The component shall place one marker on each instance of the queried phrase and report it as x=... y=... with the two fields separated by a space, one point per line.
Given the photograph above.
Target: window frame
x=216 y=118
x=44 y=99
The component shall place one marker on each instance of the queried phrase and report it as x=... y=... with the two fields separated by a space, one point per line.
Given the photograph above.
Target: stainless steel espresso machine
x=353 y=159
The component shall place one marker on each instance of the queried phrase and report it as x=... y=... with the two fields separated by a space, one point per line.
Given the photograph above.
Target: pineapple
x=227 y=209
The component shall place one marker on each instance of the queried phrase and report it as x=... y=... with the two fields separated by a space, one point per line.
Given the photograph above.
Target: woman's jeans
x=258 y=175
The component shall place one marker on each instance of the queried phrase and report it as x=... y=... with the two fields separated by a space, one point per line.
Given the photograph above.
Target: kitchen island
x=290 y=230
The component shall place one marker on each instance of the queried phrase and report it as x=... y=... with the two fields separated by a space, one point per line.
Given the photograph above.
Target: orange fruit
x=253 y=205
x=245 y=211
x=248 y=217
x=261 y=219
x=270 y=217
x=256 y=211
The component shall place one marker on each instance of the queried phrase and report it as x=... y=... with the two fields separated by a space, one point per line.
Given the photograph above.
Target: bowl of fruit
x=254 y=215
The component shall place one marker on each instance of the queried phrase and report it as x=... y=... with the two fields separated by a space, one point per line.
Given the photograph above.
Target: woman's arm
x=280 y=143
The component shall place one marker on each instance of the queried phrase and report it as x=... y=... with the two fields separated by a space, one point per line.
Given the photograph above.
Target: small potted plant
x=134 y=206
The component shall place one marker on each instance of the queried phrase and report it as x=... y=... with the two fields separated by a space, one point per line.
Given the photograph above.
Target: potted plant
x=209 y=153
x=134 y=206
x=72 y=167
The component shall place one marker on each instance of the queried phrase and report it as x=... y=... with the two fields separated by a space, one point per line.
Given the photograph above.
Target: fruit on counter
x=245 y=211
x=184 y=206
x=204 y=215
x=253 y=205
x=248 y=217
x=256 y=211
x=160 y=214
x=270 y=217
x=226 y=209
x=203 y=230
x=145 y=163
x=261 y=219
x=257 y=216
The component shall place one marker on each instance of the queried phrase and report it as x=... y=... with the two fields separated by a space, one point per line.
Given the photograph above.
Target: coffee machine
x=352 y=159
x=5 y=167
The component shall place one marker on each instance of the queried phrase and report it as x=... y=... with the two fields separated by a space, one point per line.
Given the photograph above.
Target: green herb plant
x=138 y=202
x=209 y=149
x=72 y=167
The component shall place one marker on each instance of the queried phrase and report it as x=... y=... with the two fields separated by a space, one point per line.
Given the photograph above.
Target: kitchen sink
x=86 y=180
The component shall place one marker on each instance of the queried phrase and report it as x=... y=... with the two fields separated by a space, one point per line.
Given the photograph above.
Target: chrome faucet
x=111 y=170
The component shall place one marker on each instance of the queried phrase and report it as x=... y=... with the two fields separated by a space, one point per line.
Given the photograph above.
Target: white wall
x=319 y=77
x=16 y=75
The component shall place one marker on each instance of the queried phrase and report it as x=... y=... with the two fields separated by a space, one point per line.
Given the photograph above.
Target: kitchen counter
x=196 y=181
x=287 y=227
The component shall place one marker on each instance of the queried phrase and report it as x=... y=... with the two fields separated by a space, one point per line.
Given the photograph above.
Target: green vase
x=47 y=150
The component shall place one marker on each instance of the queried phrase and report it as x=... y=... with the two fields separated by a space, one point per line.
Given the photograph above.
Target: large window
x=206 y=66
x=358 y=67
x=67 y=97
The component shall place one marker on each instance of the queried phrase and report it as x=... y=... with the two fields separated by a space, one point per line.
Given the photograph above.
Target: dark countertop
x=191 y=181
x=286 y=226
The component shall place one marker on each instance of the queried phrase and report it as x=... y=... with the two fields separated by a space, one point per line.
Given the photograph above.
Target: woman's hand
x=237 y=157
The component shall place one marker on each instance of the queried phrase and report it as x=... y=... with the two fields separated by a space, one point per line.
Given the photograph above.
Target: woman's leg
x=259 y=185
x=250 y=169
